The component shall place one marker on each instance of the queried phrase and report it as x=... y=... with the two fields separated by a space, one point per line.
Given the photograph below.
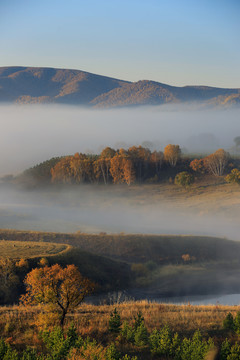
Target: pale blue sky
x=178 y=42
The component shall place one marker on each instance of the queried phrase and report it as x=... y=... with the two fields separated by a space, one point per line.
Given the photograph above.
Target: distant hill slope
x=65 y=86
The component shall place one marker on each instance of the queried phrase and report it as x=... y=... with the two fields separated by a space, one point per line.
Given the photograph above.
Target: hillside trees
x=136 y=164
x=61 y=289
x=121 y=166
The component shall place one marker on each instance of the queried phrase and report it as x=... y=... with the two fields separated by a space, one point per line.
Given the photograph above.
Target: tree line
x=137 y=164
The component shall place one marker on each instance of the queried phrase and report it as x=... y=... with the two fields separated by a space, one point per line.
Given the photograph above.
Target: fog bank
x=113 y=209
x=32 y=134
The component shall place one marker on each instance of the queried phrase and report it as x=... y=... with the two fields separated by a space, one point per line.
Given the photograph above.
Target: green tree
x=114 y=322
x=184 y=179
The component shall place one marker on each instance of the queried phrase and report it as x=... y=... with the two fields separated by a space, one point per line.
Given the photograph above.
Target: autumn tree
x=216 y=162
x=197 y=165
x=172 y=154
x=61 y=289
x=116 y=169
x=102 y=164
x=62 y=172
x=81 y=168
x=128 y=171
x=140 y=157
x=156 y=159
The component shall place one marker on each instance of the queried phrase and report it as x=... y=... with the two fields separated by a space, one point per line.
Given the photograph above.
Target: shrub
x=184 y=179
x=233 y=177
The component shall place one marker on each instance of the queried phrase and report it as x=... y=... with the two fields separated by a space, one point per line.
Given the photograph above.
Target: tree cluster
x=214 y=163
x=137 y=164
x=115 y=166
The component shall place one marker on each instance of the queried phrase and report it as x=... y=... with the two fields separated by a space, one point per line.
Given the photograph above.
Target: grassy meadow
x=30 y=249
x=22 y=326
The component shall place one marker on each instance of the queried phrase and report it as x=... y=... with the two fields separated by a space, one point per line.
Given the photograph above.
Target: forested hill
x=64 y=86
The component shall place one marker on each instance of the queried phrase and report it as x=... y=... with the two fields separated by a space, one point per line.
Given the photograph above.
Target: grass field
x=30 y=249
x=19 y=325
x=162 y=249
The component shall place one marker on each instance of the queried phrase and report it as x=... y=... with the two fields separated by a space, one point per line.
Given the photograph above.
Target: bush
x=233 y=177
x=184 y=179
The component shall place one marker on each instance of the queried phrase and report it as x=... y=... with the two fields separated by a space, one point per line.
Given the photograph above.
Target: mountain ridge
x=29 y=85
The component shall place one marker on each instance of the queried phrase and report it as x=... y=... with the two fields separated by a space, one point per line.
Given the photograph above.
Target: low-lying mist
x=32 y=134
x=113 y=209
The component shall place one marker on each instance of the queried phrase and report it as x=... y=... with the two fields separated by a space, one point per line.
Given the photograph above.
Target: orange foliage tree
x=61 y=172
x=197 y=165
x=102 y=164
x=140 y=157
x=62 y=289
x=116 y=169
x=156 y=158
x=128 y=171
x=172 y=154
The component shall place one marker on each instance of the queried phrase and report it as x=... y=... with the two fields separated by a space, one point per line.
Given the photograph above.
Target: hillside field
x=145 y=266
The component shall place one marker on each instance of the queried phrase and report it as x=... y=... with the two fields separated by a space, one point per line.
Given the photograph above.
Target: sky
x=178 y=42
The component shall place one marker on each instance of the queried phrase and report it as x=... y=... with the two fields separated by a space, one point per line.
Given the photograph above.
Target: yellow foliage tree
x=61 y=289
x=172 y=154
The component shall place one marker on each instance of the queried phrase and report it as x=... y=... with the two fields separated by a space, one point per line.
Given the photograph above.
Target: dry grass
x=184 y=319
x=19 y=326
x=29 y=249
